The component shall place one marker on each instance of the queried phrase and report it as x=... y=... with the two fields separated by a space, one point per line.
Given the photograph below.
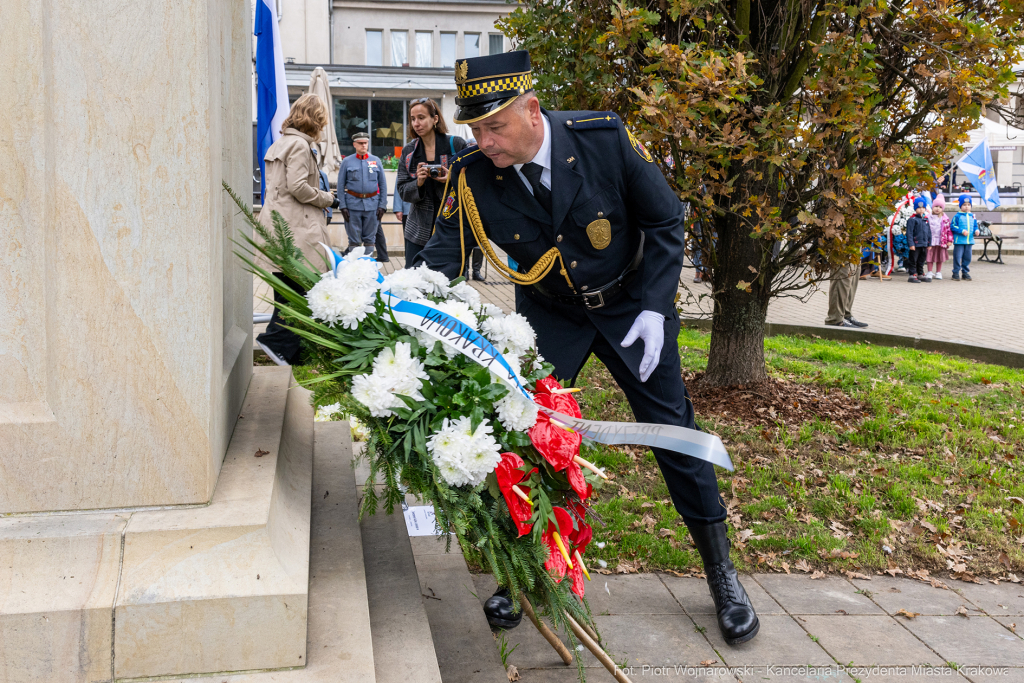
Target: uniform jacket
x=919 y=234
x=363 y=176
x=598 y=173
x=963 y=226
x=420 y=222
x=293 y=190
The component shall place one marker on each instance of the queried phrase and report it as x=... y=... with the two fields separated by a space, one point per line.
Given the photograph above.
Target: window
x=350 y=117
x=424 y=48
x=495 y=44
x=399 y=48
x=447 y=50
x=388 y=120
x=472 y=45
x=384 y=120
x=374 y=48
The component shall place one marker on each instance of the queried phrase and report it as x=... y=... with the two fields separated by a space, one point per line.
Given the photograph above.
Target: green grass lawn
x=929 y=481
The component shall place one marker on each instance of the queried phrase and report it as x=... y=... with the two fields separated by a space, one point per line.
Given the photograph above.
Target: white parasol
x=330 y=152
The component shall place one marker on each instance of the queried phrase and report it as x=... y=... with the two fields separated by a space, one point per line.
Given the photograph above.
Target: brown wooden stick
x=601 y=655
x=548 y=634
x=590 y=632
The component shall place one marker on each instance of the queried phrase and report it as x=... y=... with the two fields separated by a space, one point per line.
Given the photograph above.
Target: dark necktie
x=532 y=172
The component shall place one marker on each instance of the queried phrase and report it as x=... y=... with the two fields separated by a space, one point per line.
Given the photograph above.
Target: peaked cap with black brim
x=486 y=85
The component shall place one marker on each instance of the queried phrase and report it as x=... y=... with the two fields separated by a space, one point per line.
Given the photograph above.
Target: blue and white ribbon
x=468 y=341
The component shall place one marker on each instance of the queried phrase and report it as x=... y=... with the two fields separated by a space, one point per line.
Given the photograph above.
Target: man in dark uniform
x=576 y=191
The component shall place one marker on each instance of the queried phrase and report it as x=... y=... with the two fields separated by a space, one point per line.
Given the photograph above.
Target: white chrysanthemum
x=511 y=334
x=462 y=455
x=516 y=412
x=327 y=413
x=335 y=300
x=438 y=281
x=465 y=292
x=489 y=310
x=399 y=373
x=407 y=283
x=355 y=271
x=537 y=362
x=373 y=394
x=360 y=432
x=459 y=310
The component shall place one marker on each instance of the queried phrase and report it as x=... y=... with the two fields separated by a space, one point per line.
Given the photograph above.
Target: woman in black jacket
x=431 y=146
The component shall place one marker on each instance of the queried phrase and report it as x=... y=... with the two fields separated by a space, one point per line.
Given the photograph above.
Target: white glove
x=650 y=327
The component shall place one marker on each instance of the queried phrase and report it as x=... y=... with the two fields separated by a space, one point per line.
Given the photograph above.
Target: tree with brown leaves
x=790 y=126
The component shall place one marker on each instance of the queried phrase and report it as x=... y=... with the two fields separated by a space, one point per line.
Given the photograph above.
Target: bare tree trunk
x=736 y=355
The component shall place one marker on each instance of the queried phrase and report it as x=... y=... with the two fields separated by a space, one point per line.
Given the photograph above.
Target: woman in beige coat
x=293 y=190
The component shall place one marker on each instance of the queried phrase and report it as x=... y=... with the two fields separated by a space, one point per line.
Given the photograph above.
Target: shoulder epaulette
x=594 y=119
x=466 y=157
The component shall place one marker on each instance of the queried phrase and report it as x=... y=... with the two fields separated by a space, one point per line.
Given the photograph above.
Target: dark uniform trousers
x=662 y=399
x=605 y=192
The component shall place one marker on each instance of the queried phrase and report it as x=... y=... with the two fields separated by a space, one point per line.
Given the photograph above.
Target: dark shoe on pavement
x=912 y=278
x=498 y=610
x=736 y=617
x=844 y=323
x=856 y=323
x=966 y=277
x=955 y=277
x=924 y=278
x=478 y=276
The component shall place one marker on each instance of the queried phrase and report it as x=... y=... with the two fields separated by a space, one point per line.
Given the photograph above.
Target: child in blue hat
x=964 y=227
x=919 y=237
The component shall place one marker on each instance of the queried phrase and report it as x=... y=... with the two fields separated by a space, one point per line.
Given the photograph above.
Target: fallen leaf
x=803 y=565
x=962 y=611
x=907 y=613
x=1004 y=560
x=513 y=673
x=857 y=575
x=817 y=575
x=1016 y=499
x=260 y=452
x=666 y=533
x=785 y=567
x=708 y=662
x=647 y=505
x=625 y=568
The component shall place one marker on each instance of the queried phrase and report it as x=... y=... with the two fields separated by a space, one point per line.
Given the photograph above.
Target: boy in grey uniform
x=362 y=194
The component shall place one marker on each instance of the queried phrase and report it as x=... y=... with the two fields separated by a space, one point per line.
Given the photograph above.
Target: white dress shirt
x=542 y=159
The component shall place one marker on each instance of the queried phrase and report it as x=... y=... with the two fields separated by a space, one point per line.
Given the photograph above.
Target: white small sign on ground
x=420 y=520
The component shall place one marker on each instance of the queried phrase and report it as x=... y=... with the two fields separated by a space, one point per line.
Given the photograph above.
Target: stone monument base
x=127 y=594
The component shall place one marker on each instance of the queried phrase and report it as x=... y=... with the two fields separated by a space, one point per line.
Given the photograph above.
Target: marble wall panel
x=123 y=357
x=58 y=578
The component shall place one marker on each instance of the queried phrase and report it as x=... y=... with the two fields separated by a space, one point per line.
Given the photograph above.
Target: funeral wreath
x=458 y=409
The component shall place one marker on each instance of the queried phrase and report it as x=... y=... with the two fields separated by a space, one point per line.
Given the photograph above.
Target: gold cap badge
x=461 y=71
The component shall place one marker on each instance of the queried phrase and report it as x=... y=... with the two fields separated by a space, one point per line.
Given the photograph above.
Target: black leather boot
x=736 y=617
x=498 y=609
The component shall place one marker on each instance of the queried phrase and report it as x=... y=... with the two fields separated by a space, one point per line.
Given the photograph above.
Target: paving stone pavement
x=985 y=311
x=661 y=627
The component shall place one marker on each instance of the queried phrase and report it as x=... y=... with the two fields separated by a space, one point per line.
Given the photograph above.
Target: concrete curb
x=985 y=354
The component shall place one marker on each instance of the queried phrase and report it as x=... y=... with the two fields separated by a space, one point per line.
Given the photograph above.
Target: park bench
x=985 y=233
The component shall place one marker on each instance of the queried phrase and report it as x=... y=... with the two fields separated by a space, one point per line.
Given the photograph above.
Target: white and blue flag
x=271 y=89
x=977 y=166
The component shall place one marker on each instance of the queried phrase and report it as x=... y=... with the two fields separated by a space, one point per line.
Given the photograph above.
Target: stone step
x=339 y=645
x=403 y=648
x=177 y=591
x=465 y=647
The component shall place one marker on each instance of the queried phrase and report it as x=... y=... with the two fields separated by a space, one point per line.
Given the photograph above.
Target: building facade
x=381 y=55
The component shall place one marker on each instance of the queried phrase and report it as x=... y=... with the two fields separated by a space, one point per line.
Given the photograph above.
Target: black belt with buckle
x=602 y=295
